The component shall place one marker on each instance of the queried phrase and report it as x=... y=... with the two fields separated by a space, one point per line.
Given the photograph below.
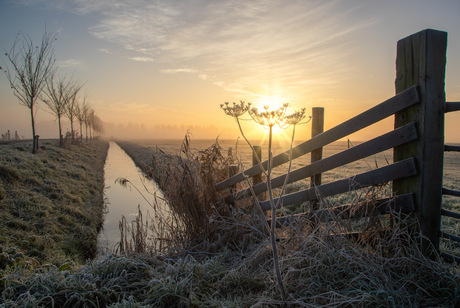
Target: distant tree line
x=32 y=74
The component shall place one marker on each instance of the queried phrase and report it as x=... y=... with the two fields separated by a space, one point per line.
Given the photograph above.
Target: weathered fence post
x=317 y=127
x=258 y=177
x=232 y=170
x=421 y=61
x=257 y=154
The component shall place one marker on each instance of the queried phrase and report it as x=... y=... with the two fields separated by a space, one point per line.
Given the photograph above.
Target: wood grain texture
x=421 y=61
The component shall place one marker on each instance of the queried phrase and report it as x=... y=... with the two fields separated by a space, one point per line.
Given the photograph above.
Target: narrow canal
x=123 y=201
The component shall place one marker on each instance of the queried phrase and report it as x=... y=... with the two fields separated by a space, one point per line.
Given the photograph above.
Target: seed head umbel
x=294 y=118
x=269 y=118
x=237 y=110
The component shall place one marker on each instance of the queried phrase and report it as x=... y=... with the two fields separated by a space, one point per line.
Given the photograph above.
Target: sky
x=155 y=69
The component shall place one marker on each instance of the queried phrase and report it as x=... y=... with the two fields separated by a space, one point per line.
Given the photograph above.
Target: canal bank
x=51 y=202
x=123 y=203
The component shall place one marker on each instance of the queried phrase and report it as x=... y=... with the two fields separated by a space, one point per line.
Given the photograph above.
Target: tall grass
x=187 y=181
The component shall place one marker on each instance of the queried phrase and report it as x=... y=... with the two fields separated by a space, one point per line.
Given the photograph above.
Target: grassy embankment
x=51 y=203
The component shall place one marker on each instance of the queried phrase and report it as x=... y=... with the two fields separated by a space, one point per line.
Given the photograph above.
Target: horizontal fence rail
x=447 y=213
x=450 y=258
x=399 y=204
x=399 y=170
x=450 y=236
x=451 y=148
x=379 y=144
x=389 y=107
x=452 y=106
x=450 y=192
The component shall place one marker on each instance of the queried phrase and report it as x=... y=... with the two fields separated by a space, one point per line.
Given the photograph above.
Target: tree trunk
x=61 y=143
x=71 y=130
x=81 y=132
x=34 y=145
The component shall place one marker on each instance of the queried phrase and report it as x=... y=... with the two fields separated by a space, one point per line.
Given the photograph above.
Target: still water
x=122 y=201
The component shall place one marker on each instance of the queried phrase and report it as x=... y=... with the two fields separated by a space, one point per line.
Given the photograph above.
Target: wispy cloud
x=178 y=70
x=105 y=50
x=242 y=46
x=142 y=59
x=69 y=63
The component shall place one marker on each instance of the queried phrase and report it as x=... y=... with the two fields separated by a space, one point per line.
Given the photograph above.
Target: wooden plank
x=256 y=157
x=451 y=148
x=450 y=236
x=450 y=192
x=381 y=175
x=401 y=204
x=450 y=214
x=317 y=127
x=232 y=170
x=389 y=107
x=421 y=61
x=387 y=141
x=452 y=106
x=258 y=178
x=450 y=258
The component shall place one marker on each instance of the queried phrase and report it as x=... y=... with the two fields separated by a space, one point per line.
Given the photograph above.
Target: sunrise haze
x=155 y=69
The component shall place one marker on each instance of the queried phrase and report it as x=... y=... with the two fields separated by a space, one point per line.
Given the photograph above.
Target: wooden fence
x=417 y=141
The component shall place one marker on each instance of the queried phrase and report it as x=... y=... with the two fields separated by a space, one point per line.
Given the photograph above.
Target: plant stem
x=252 y=148
x=289 y=168
x=273 y=220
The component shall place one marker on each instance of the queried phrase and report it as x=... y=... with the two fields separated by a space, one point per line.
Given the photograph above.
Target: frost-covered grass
x=51 y=203
x=318 y=272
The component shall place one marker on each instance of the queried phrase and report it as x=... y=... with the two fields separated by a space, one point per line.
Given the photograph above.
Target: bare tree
x=31 y=66
x=86 y=117
x=97 y=125
x=56 y=96
x=94 y=123
x=81 y=115
x=71 y=109
x=89 y=122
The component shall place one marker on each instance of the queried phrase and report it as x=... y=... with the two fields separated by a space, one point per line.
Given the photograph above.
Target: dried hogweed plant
x=269 y=119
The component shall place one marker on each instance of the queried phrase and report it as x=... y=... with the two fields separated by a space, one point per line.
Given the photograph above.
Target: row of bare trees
x=32 y=75
x=61 y=97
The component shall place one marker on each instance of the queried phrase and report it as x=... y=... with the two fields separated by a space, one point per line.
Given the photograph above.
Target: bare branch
x=29 y=68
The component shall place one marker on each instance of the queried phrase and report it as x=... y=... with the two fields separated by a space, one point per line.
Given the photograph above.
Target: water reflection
x=122 y=201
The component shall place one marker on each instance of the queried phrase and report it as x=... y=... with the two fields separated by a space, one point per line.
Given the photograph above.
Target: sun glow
x=272 y=103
